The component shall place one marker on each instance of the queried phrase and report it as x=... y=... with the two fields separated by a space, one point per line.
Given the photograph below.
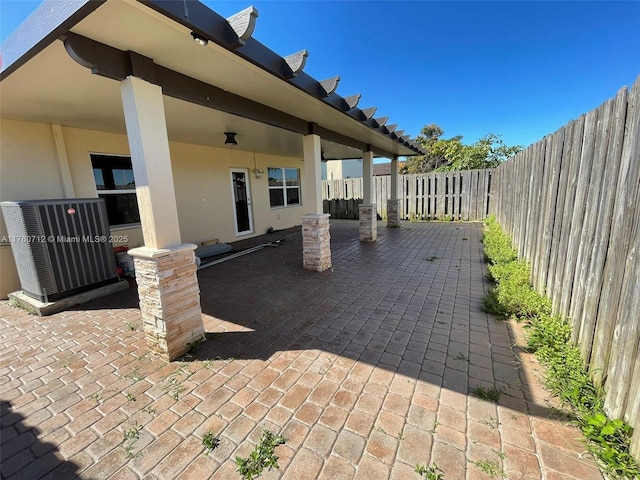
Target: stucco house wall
x=337 y=169
x=30 y=170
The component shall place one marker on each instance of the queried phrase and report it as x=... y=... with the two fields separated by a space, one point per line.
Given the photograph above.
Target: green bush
x=497 y=245
x=549 y=336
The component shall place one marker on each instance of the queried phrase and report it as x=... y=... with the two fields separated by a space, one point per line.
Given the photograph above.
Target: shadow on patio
x=367 y=370
x=409 y=304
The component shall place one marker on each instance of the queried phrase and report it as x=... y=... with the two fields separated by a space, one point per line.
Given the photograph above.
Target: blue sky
x=519 y=69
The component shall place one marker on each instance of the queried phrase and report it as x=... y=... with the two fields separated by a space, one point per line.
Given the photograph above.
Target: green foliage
x=453 y=154
x=490 y=304
x=491 y=468
x=131 y=436
x=431 y=472
x=263 y=456
x=548 y=333
x=549 y=336
x=16 y=303
x=490 y=394
x=210 y=441
x=195 y=345
x=512 y=297
x=609 y=441
x=497 y=245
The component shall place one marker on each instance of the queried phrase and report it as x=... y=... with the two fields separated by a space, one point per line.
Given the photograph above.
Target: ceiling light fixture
x=199 y=39
x=231 y=138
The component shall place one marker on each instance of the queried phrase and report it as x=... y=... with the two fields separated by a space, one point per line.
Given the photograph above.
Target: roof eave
x=54 y=19
x=46 y=24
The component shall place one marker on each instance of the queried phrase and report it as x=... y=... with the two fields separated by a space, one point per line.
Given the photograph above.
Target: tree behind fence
x=571 y=205
x=435 y=196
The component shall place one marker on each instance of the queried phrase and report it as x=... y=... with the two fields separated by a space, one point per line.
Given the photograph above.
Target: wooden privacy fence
x=461 y=195
x=571 y=205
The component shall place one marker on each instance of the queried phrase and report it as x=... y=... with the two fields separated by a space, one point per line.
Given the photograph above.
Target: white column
x=311 y=192
x=394 y=178
x=149 y=145
x=367 y=178
x=393 y=204
x=368 y=211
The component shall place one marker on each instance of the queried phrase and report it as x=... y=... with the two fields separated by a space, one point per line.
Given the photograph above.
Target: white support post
x=393 y=217
x=316 y=247
x=165 y=268
x=367 y=178
x=149 y=145
x=368 y=211
x=312 y=194
x=394 y=178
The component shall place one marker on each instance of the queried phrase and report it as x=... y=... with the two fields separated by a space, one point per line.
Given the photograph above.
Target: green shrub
x=549 y=336
x=497 y=245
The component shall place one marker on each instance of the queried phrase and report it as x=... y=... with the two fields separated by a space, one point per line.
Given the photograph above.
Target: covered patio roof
x=233 y=83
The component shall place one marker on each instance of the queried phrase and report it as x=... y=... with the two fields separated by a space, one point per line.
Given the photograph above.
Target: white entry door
x=241 y=201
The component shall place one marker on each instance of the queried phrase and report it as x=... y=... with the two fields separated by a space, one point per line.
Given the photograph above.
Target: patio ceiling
x=52 y=88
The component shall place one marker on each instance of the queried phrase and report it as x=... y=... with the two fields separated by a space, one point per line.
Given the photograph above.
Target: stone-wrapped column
x=169 y=298
x=165 y=267
x=393 y=216
x=368 y=215
x=316 y=245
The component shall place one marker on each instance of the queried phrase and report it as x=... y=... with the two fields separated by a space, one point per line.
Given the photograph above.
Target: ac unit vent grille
x=71 y=251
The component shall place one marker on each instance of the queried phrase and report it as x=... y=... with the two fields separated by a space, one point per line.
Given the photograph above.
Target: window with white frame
x=284 y=186
x=115 y=184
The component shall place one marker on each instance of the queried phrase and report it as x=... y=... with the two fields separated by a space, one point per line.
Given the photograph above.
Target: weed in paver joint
x=492 y=423
x=491 y=394
x=263 y=456
x=491 y=468
x=150 y=410
x=130 y=397
x=462 y=357
x=135 y=375
x=210 y=442
x=431 y=259
x=431 y=472
x=435 y=426
x=15 y=303
x=131 y=436
x=195 y=345
x=133 y=432
x=96 y=397
x=131 y=326
x=174 y=383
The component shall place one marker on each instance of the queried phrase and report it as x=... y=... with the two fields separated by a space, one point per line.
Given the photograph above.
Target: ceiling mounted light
x=199 y=39
x=231 y=138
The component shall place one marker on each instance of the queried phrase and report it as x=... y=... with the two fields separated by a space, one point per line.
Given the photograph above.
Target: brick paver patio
x=367 y=370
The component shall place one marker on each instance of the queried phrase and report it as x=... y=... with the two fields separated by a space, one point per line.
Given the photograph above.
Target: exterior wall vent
x=61 y=247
